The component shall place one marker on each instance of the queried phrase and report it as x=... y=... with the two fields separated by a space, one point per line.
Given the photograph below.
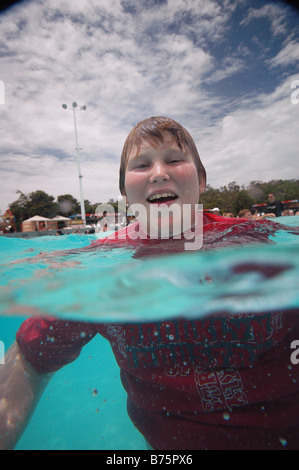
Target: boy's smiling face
x=162 y=174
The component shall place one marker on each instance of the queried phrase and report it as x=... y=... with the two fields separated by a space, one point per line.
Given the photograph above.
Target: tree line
x=231 y=198
x=45 y=205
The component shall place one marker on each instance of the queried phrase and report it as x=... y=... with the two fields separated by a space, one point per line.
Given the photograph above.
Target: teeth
x=160 y=195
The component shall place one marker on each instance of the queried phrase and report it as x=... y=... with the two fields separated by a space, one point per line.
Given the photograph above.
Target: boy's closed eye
x=138 y=165
x=175 y=160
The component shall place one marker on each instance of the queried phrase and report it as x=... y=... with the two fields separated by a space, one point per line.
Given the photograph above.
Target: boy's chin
x=166 y=221
x=166 y=227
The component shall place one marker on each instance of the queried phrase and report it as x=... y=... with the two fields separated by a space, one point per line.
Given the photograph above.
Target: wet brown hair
x=158 y=130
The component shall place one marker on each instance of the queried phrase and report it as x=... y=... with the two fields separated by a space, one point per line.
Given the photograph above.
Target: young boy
x=222 y=382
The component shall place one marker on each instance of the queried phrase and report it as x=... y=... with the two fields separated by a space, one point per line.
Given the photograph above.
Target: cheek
x=133 y=187
x=189 y=179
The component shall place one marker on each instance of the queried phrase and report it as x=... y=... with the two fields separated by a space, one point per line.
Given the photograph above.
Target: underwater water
x=84 y=406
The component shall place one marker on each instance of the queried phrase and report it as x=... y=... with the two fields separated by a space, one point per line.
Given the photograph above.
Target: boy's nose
x=159 y=173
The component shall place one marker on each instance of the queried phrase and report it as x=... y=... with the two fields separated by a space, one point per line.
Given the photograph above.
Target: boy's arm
x=20 y=389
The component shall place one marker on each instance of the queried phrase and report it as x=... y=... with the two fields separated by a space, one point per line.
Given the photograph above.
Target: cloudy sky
x=222 y=68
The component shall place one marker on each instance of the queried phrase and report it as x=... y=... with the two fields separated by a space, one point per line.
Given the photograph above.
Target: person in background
x=253 y=214
x=273 y=206
x=216 y=211
x=245 y=214
x=103 y=223
x=288 y=212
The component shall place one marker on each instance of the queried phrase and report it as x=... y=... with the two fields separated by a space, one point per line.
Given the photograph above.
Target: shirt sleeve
x=49 y=344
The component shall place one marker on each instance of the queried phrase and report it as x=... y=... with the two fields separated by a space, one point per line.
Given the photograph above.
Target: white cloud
x=256 y=142
x=288 y=55
x=274 y=13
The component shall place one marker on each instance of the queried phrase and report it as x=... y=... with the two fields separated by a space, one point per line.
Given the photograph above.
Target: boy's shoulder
x=123 y=234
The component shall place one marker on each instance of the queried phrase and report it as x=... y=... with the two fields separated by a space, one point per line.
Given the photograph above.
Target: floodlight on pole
x=83 y=108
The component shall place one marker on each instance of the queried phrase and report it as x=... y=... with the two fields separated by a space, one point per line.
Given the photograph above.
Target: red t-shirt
x=222 y=382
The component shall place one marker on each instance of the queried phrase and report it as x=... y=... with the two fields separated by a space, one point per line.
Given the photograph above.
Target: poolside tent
x=60 y=217
x=62 y=221
x=38 y=224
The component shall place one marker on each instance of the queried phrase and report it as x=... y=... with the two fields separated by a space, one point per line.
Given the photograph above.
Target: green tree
x=89 y=209
x=284 y=190
x=41 y=203
x=236 y=198
x=211 y=198
x=19 y=209
x=67 y=205
x=231 y=198
x=36 y=203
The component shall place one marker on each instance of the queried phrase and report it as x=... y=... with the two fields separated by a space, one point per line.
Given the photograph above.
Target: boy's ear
x=202 y=185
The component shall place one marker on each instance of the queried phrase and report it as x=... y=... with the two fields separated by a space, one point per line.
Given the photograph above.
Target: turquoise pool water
x=84 y=406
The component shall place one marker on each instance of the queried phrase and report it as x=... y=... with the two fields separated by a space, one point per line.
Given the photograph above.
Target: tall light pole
x=83 y=108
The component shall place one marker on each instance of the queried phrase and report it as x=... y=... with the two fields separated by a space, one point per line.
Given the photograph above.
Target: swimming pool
x=84 y=406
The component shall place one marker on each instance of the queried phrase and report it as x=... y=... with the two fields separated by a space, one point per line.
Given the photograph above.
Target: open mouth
x=161 y=198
